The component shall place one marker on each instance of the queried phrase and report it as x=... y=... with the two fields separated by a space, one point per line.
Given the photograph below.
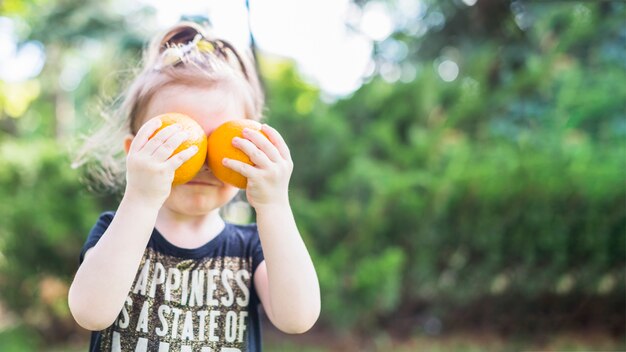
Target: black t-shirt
x=195 y=300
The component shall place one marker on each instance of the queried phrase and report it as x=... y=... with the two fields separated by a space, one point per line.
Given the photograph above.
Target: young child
x=165 y=272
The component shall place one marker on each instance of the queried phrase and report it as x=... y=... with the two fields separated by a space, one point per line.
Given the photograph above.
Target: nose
x=205 y=166
x=208 y=131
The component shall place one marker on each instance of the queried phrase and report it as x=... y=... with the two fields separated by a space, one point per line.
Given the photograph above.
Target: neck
x=189 y=231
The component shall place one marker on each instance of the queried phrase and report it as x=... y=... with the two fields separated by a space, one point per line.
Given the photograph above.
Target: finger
x=177 y=160
x=245 y=169
x=144 y=133
x=161 y=137
x=277 y=140
x=263 y=143
x=165 y=150
x=255 y=154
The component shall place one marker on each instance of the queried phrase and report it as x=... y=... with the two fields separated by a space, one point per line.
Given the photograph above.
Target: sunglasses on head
x=178 y=48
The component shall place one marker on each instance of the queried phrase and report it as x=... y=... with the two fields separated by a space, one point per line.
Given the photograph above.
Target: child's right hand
x=149 y=167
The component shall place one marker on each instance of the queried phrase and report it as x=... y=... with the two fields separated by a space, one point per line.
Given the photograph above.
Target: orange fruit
x=197 y=137
x=220 y=146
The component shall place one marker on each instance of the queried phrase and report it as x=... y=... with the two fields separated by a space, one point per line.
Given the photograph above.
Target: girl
x=165 y=272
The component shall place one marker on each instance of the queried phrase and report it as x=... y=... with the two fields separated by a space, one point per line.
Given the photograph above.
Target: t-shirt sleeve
x=256 y=251
x=96 y=232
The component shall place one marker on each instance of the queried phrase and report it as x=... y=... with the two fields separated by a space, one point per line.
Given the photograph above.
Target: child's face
x=210 y=108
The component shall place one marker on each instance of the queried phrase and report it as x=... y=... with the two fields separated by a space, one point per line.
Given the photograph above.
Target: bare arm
x=103 y=280
x=286 y=281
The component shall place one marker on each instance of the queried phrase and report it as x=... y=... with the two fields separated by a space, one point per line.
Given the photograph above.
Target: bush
x=430 y=197
x=45 y=217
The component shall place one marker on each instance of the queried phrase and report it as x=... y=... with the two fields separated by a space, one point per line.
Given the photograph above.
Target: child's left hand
x=268 y=178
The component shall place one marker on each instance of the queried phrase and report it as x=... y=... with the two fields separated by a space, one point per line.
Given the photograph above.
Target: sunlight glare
x=448 y=70
x=376 y=22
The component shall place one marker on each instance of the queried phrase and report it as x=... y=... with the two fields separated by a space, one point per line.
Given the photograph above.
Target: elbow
x=90 y=324
x=300 y=324
x=86 y=315
x=296 y=329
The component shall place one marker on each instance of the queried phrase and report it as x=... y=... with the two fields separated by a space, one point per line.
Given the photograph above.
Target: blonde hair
x=183 y=55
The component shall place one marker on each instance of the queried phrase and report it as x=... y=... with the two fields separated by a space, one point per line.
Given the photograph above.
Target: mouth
x=210 y=183
x=205 y=178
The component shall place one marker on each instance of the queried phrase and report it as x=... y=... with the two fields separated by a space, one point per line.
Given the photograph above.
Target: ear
x=127 y=141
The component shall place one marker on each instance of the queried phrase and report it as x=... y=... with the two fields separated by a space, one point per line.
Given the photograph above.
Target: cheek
x=231 y=191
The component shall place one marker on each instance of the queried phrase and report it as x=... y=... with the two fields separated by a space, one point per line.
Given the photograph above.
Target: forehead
x=210 y=107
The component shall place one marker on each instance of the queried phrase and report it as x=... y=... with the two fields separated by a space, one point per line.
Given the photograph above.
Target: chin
x=194 y=211
x=192 y=202
x=195 y=206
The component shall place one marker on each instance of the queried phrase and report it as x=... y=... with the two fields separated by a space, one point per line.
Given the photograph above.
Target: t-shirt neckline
x=190 y=253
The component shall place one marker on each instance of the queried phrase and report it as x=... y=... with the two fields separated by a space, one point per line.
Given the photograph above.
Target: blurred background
x=460 y=164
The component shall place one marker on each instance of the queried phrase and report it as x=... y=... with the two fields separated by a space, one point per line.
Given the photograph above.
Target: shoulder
x=96 y=232
x=244 y=234
x=247 y=230
x=244 y=240
x=104 y=220
x=107 y=215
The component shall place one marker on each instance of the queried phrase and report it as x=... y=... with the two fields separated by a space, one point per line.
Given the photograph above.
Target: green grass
x=588 y=342
x=21 y=339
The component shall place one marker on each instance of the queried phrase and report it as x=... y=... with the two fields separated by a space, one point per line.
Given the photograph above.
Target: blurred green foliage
x=19 y=339
x=45 y=213
x=506 y=182
x=418 y=197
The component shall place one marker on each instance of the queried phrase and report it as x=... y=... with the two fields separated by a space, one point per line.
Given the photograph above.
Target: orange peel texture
x=220 y=146
x=197 y=137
